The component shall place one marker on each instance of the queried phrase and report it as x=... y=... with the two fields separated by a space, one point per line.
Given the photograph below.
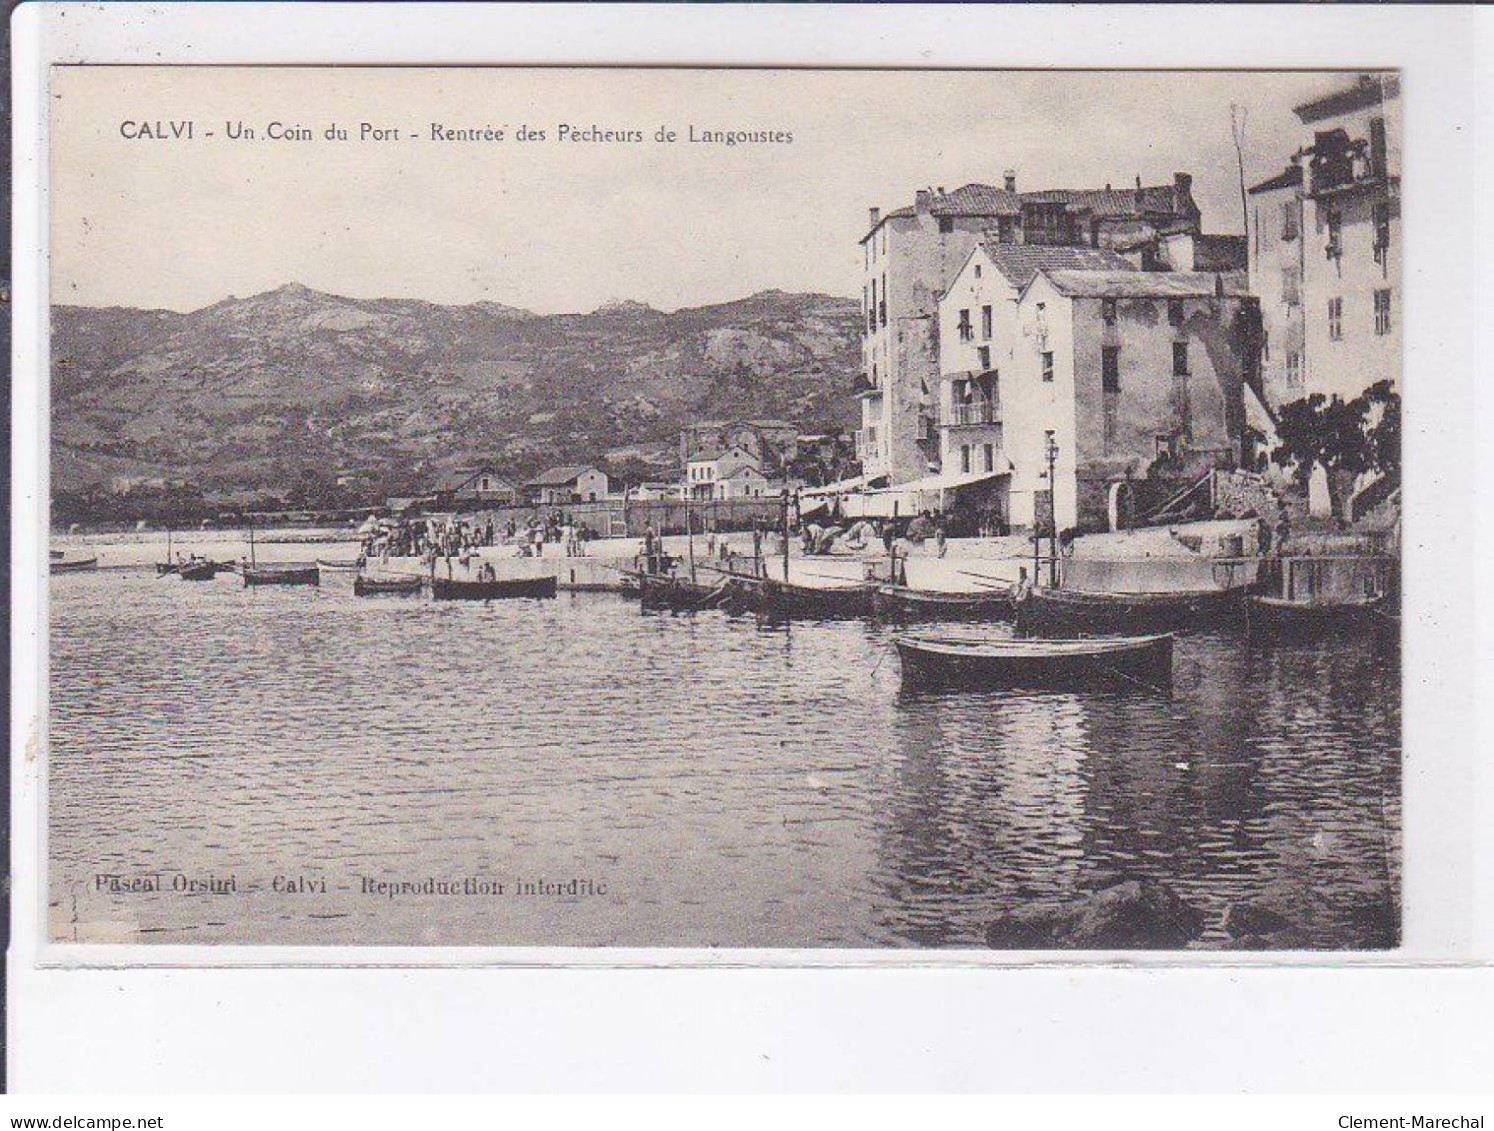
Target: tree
x=1346 y=438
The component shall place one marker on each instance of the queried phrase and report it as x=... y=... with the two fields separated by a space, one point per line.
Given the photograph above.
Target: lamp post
x=1052 y=452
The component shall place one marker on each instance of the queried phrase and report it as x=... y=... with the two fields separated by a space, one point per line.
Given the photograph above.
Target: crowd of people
x=453 y=537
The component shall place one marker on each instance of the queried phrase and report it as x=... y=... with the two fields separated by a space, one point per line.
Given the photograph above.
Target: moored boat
x=77 y=565
x=658 y=591
x=280 y=575
x=349 y=566
x=198 y=570
x=1062 y=612
x=901 y=602
x=1282 y=614
x=448 y=589
x=817 y=602
x=952 y=661
x=387 y=586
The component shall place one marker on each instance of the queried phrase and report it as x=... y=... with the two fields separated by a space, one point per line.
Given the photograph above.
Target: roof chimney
x=1138 y=182
x=940 y=190
x=1183 y=183
x=876 y=216
x=921 y=200
x=1011 y=180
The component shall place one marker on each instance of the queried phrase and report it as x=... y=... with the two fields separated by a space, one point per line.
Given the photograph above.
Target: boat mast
x=690 y=535
x=252 y=563
x=785 y=535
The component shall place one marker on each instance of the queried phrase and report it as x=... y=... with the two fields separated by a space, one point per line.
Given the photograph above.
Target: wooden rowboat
x=1284 y=615
x=664 y=591
x=817 y=602
x=198 y=570
x=387 y=586
x=900 y=602
x=348 y=566
x=1065 y=612
x=77 y=565
x=1126 y=661
x=280 y=575
x=446 y=589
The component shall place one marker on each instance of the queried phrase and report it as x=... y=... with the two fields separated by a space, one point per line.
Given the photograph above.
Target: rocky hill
x=259 y=392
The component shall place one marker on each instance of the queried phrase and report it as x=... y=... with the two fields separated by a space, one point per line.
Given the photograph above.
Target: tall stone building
x=911 y=255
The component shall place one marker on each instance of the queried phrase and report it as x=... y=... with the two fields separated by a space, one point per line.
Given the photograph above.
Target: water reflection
x=735 y=782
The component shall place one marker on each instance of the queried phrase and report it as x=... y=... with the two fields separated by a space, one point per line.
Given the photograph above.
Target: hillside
x=261 y=392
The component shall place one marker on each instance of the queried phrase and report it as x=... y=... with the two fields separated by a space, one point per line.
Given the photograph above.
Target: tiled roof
x=1020 y=262
x=1110 y=202
x=558 y=476
x=1143 y=284
x=976 y=199
x=1291 y=175
x=1369 y=90
x=459 y=477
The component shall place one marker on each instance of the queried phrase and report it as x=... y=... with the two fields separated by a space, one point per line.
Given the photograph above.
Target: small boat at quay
x=446 y=589
x=665 y=591
x=349 y=566
x=280 y=575
x=961 y=662
x=77 y=565
x=387 y=586
x=198 y=570
x=770 y=597
x=1282 y=614
x=899 y=602
x=1067 y=612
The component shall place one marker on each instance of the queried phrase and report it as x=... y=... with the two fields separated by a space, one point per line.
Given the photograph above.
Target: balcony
x=974 y=412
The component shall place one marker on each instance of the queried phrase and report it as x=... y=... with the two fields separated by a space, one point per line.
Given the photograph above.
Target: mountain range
x=260 y=392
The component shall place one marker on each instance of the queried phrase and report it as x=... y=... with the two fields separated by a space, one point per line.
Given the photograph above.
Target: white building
x=712 y=474
x=1325 y=248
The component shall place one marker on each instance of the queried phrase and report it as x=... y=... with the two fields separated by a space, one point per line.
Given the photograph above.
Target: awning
x=841 y=488
x=944 y=481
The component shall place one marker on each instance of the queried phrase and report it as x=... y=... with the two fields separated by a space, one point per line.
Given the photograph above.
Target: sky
x=568 y=225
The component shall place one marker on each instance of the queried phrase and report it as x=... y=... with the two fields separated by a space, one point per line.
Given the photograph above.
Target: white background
x=1388 y=1026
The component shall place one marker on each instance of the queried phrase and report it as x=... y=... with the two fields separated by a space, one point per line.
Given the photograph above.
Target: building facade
x=1138 y=380
x=1325 y=248
x=772 y=443
x=911 y=255
x=561 y=485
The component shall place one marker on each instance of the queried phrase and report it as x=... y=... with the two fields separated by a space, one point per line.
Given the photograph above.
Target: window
x=977 y=270
x=1047 y=365
x=964 y=457
x=965 y=331
x=946 y=224
x=1175 y=311
x=1257 y=231
x=1288 y=221
x=985 y=322
x=1382 y=312
x=1265 y=346
x=990 y=457
x=882 y=308
x=1294 y=369
x=1180 y=359
x=1378 y=165
x=1382 y=231
x=984 y=353
x=1335 y=319
x=1108 y=312
x=1110 y=368
x=1291 y=290
x=1005 y=229
x=1335 y=249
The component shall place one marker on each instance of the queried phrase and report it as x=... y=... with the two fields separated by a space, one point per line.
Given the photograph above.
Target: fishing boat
x=899 y=602
x=349 y=566
x=387 y=586
x=77 y=565
x=667 y=591
x=952 y=661
x=1062 y=612
x=280 y=575
x=1282 y=614
x=819 y=602
x=446 y=589
x=198 y=569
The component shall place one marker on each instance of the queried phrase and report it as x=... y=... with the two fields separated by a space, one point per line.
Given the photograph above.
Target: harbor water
x=298 y=766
